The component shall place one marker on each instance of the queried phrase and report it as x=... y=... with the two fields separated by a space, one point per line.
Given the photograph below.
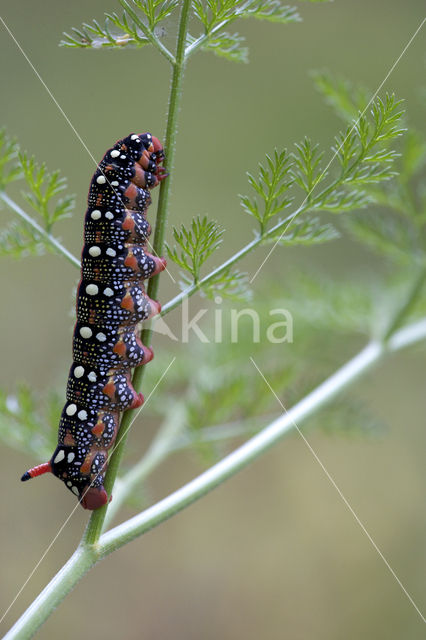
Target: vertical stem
x=96 y=522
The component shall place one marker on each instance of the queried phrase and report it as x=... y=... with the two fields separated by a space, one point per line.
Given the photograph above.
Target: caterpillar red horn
x=111 y=302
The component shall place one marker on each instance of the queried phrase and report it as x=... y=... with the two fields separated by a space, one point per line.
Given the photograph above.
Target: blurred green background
x=274 y=553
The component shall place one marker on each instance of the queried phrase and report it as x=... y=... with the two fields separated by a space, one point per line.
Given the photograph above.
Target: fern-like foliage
x=400 y=234
x=137 y=26
x=29 y=423
x=45 y=193
x=45 y=188
x=346 y=98
x=19 y=240
x=216 y=15
x=226 y=45
x=304 y=232
x=212 y=13
x=141 y=22
x=195 y=244
x=9 y=167
x=271 y=186
x=230 y=284
x=364 y=154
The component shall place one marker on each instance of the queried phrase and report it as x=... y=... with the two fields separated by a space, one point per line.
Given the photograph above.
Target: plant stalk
x=86 y=556
x=210 y=277
x=95 y=525
x=148 y=32
x=349 y=373
x=52 y=595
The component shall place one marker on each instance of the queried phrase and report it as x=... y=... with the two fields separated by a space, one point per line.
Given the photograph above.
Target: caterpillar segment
x=111 y=303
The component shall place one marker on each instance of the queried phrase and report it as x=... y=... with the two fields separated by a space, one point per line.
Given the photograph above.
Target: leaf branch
x=45 y=235
x=132 y=29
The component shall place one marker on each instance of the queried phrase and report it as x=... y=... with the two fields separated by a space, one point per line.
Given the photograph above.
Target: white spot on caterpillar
x=92 y=376
x=108 y=292
x=123 y=157
x=109 y=215
x=101 y=179
x=115 y=153
x=70 y=456
x=95 y=252
x=59 y=456
x=86 y=332
x=96 y=214
x=92 y=289
x=111 y=252
x=75 y=490
x=69 y=483
x=135 y=137
x=71 y=409
x=115 y=183
x=101 y=337
x=82 y=414
x=79 y=372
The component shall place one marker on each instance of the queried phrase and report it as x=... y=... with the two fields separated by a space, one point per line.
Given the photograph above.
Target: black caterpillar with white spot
x=111 y=302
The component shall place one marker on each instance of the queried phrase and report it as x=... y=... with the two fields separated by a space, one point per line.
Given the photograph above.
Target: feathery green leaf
x=231 y=284
x=9 y=167
x=305 y=233
x=271 y=187
x=347 y=100
x=229 y=46
x=195 y=245
x=44 y=191
x=19 y=240
x=29 y=424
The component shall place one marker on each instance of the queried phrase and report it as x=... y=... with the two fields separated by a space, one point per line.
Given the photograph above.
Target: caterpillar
x=111 y=302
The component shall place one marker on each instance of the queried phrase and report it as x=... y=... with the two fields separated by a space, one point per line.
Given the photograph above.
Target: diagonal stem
x=148 y=32
x=47 y=237
x=358 y=366
x=210 y=277
x=87 y=555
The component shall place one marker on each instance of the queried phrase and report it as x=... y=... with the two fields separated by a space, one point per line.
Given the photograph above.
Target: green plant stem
x=46 y=602
x=148 y=33
x=167 y=441
x=199 y=42
x=196 y=286
x=42 y=232
x=95 y=525
x=241 y=457
x=87 y=555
